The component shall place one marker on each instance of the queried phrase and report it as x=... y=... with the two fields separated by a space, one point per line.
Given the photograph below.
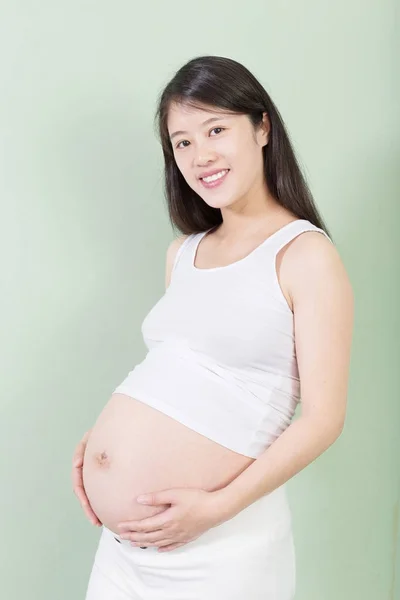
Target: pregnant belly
x=134 y=449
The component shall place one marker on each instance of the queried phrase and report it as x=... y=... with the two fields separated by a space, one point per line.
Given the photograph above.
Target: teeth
x=215 y=177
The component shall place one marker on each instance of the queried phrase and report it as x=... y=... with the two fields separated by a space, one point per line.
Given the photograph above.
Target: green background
x=84 y=231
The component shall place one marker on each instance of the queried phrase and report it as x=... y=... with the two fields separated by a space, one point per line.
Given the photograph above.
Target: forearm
x=299 y=445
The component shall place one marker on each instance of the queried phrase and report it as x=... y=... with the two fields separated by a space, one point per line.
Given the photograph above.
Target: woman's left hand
x=192 y=512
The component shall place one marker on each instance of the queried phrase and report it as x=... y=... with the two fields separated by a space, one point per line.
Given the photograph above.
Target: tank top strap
x=185 y=252
x=289 y=232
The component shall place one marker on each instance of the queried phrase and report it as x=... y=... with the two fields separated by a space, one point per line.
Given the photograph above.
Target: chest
x=234 y=320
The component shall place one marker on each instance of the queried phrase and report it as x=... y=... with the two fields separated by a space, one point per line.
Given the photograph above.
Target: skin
x=313 y=280
x=77 y=480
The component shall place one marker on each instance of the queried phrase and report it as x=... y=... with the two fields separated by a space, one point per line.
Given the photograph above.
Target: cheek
x=181 y=163
x=249 y=160
x=185 y=167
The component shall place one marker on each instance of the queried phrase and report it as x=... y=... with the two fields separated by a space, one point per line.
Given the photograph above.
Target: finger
x=145 y=538
x=87 y=509
x=145 y=525
x=77 y=480
x=91 y=515
x=157 y=539
x=77 y=461
x=157 y=543
x=78 y=488
x=76 y=475
x=80 y=493
x=170 y=547
x=84 y=502
x=79 y=452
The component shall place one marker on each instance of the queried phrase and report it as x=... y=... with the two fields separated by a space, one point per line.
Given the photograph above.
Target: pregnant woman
x=256 y=317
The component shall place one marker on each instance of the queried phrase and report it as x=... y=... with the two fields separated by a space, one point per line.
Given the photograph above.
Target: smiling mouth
x=214 y=180
x=214 y=177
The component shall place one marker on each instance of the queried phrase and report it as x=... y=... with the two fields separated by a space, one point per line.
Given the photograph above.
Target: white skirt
x=249 y=557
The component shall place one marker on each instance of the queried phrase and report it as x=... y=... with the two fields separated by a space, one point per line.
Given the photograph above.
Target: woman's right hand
x=77 y=479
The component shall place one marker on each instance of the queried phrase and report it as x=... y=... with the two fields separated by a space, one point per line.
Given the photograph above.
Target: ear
x=265 y=128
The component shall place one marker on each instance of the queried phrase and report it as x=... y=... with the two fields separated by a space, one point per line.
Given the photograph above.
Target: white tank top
x=221 y=351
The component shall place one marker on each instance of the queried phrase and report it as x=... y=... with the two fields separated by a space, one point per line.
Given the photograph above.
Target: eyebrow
x=211 y=120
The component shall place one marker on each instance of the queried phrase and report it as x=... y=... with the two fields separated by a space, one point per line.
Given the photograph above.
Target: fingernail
x=142 y=499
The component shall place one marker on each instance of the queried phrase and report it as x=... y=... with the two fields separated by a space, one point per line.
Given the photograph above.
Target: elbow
x=336 y=430
x=328 y=429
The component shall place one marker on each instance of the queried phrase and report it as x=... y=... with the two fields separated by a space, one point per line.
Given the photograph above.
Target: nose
x=204 y=155
x=204 y=161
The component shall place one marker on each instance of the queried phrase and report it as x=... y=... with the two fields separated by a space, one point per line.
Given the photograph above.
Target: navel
x=103 y=459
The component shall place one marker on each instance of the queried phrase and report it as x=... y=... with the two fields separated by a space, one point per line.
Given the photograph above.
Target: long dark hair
x=224 y=83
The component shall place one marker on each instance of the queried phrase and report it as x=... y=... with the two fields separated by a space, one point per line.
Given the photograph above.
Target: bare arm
x=323 y=313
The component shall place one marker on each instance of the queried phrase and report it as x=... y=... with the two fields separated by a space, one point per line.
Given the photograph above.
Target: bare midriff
x=135 y=449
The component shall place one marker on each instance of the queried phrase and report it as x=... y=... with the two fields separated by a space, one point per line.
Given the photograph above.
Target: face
x=210 y=140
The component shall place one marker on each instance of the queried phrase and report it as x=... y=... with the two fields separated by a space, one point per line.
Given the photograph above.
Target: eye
x=177 y=146
x=221 y=128
x=214 y=129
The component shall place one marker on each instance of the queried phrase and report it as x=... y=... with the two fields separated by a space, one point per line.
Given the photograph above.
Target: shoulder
x=311 y=264
x=173 y=248
x=176 y=243
x=312 y=250
x=171 y=253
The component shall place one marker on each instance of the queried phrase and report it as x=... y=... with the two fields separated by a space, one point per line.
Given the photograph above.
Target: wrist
x=226 y=504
